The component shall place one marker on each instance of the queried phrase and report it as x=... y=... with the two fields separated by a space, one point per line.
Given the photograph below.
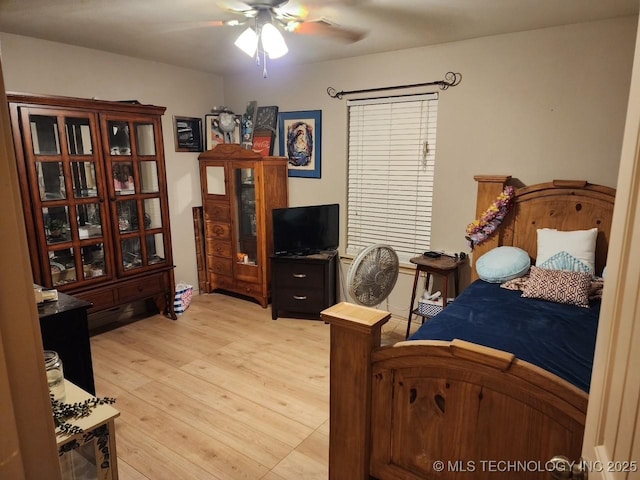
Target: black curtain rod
x=451 y=79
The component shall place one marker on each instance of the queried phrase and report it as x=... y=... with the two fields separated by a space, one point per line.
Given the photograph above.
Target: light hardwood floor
x=222 y=393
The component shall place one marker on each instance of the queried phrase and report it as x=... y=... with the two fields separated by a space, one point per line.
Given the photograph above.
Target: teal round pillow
x=503 y=263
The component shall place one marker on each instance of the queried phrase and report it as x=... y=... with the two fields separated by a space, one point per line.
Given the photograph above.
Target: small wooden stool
x=443 y=266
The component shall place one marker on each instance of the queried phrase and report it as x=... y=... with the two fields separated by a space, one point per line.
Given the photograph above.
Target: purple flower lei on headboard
x=481 y=229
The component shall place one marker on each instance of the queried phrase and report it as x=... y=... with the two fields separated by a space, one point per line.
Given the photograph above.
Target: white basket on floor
x=182 y=299
x=430 y=308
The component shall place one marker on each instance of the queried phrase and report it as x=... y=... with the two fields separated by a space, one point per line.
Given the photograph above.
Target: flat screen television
x=306 y=230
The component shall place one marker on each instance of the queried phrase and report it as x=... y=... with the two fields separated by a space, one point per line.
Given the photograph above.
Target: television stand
x=303 y=285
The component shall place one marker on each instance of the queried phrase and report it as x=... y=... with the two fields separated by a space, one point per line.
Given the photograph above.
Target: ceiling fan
x=290 y=16
x=268 y=18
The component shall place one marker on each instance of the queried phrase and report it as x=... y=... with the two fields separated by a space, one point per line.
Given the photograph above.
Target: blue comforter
x=556 y=337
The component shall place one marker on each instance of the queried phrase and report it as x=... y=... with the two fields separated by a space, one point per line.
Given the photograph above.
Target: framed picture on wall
x=188 y=134
x=300 y=135
x=222 y=128
x=212 y=133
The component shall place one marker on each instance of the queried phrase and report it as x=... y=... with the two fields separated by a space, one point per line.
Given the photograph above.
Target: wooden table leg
x=413 y=298
x=427 y=283
x=456 y=281
x=105 y=451
x=445 y=288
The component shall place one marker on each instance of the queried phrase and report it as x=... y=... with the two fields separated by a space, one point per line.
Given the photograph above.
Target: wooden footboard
x=398 y=411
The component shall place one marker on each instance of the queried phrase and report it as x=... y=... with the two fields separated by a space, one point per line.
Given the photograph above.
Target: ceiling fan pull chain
x=264 y=66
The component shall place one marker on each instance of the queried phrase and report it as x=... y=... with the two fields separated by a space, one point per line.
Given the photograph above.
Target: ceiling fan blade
x=327 y=29
x=291 y=10
x=234 y=6
x=186 y=26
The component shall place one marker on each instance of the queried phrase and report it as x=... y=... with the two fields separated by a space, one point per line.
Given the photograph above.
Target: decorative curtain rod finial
x=451 y=79
x=333 y=93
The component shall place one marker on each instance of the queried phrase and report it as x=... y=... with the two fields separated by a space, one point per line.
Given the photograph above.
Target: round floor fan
x=373 y=274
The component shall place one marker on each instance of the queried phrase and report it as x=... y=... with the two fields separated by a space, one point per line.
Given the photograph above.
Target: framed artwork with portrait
x=300 y=140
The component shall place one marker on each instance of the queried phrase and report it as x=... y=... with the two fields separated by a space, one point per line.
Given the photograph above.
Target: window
x=392 y=145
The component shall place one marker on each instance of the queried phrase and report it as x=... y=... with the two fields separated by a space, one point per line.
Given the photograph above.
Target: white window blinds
x=392 y=145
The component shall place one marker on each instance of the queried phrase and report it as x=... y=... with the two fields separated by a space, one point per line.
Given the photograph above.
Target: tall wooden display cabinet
x=240 y=188
x=93 y=185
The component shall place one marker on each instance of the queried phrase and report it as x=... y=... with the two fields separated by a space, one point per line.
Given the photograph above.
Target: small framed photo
x=300 y=140
x=188 y=134
x=216 y=132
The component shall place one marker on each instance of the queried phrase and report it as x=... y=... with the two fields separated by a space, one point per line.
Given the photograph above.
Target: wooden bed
x=396 y=411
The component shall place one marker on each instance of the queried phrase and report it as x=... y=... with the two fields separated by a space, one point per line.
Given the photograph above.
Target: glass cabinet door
x=136 y=190
x=246 y=228
x=65 y=169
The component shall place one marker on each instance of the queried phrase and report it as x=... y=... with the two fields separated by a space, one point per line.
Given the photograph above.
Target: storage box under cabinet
x=303 y=285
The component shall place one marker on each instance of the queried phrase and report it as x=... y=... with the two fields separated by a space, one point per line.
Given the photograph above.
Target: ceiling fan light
x=273 y=41
x=247 y=42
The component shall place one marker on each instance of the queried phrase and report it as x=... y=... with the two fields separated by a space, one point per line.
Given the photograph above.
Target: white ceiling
x=177 y=31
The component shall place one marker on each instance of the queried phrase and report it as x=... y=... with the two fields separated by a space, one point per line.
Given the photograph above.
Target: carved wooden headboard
x=560 y=204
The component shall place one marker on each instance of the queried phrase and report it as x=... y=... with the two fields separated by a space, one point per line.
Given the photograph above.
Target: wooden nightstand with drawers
x=303 y=285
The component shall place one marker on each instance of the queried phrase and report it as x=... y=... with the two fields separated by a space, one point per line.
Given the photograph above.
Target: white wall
x=537 y=105
x=36 y=66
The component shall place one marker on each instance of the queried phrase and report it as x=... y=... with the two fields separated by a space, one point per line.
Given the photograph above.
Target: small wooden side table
x=92 y=453
x=443 y=266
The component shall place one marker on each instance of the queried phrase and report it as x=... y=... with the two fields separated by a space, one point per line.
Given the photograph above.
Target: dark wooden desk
x=65 y=329
x=443 y=266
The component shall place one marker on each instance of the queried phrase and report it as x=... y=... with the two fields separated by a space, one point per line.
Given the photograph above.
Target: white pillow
x=573 y=251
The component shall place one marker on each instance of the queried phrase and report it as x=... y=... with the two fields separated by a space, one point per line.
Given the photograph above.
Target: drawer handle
x=299 y=275
x=299 y=297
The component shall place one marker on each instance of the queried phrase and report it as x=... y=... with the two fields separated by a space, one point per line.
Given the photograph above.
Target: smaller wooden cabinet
x=303 y=284
x=240 y=188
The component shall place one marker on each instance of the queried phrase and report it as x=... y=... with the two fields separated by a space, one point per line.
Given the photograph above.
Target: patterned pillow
x=558 y=286
x=516 y=283
x=595 y=290
x=565 y=261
